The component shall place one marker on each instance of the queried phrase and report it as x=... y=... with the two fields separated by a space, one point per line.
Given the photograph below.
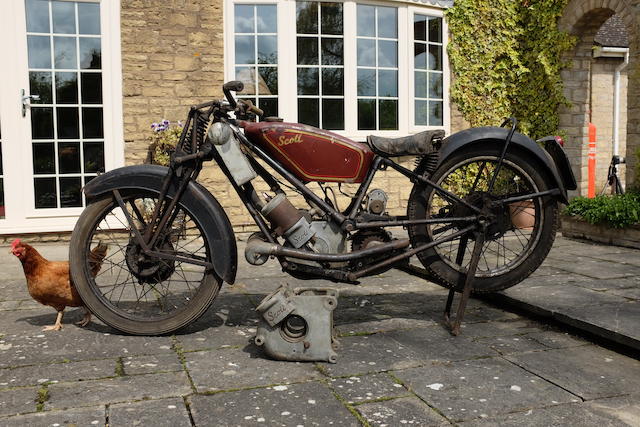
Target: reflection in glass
x=332 y=51
x=68 y=125
x=244 y=22
x=421 y=113
x=435 y=30
x=388 y=22
x=91 y=88
x=420 y=56
x=45 y=192
x=64 y=17
x=435 y=57
x=366 y=20
x=40 y=84
x=67 y=88
x=388 y=114
x=92 y=126
x=37 y=16
x=307 y=17
x=39 y=48
x=366 y=82
x=41 y=122
x=419 y=27
x=69 y=157
x=90 y=54
x=366 y=53
x=387 y=83
x=2 y=210
x=268 y=81
x=331 y=18
x=65 y=52
x=332 y=81
x=269 y=106
x=267 y=19
x=247 y=76
x=307 y=50
x=308 y=111
x=308 y=81
x=245 y=50
x=333 y=114
x=70 y=195
x=366 y=114
x=420 y=83
x=435 y=113
x=387 y=53
x=93 y=157
x=89 y=18
x=435 y=85
x=44 y=158
x=267 y=50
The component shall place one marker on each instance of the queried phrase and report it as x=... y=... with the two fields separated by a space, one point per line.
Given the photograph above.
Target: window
x=352 y=67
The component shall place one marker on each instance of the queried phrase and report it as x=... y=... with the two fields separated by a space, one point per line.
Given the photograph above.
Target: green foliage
x=613 y=211
x=506 y=59
x=163 y=141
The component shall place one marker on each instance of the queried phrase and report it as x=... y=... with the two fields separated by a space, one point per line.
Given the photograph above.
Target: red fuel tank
x=310 y=153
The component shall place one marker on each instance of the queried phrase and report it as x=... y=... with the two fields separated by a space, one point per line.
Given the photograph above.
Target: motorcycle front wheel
x=517 y=242
x=129 y=290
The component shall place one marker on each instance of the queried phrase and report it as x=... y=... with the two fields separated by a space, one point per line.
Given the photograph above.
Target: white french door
x=60 y=108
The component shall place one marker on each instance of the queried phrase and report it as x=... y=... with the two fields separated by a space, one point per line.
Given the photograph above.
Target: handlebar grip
x=234 y=85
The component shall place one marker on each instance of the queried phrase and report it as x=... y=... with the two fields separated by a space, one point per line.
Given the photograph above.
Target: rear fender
x=201 y=202
x=467 y=138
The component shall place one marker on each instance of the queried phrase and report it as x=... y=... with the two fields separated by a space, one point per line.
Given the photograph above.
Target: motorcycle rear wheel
x=514 y=252
x=133 y=292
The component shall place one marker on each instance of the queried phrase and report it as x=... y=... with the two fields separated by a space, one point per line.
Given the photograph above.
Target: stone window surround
x=287 y=93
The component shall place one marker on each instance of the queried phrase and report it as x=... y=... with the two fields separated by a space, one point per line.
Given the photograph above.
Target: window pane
x=388 y=114
x=366 y=20
x=37 y=16
x=435 y=57
x=40 y=84
x=45 y=192
x=70 y=195
x=387 y=83
x=308 y=111
x=89 y=18
x=65 y=52
x=67 y=88
x=332 y=81
x=2 y=210
x=435 y=85
x=307 y=17
x=244 y=22
x=332 y=51
x=68 y=124
x=435 y=30
x=388 y=22
x=366 y=82
x=90 y=54
x=308 y=81
x=269 y=106
x=91 y=88
x=267 y=50
x=420 y=83
x=387 y=53
x=268 y=81
x=245 y=50
x=435 y=113
x=366 y=114
x=93 y=156
x=422 y=113
x=69 y=157
x=247 y=76
x=39 y=48
x=333 y=114
x=366 y=53
x=331 y=17
x=44 y=158
x=64 y=17
x=41 y=123
x=307 y=51
x=92 y=123
x=419 y=27
x=267 y=19
x=420 y=56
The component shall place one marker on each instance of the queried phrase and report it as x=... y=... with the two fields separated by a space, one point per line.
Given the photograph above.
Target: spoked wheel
x=130 y=290
x=519 y=235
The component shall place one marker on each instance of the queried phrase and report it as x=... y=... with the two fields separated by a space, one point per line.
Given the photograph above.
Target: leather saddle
x=412 y=145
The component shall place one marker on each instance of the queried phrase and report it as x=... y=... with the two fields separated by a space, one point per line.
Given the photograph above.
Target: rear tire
x=133 y=292
x=522 y=250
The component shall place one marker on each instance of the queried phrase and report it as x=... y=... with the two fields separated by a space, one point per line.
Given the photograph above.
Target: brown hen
x=49 y=282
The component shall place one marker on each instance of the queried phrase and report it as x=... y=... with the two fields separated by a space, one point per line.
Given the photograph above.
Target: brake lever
x=251 y=108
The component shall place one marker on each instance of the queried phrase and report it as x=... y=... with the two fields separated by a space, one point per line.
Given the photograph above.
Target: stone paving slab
x=358 y=389
x=300 y=404
x=145 y=413
x=73 y=417
x=57 y=372
x=18 y=400
x=408 y=411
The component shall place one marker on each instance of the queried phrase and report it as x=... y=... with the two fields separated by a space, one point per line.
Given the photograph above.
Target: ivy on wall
x=506 y=57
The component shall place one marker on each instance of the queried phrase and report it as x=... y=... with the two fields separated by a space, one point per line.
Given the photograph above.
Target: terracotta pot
x=523 y=214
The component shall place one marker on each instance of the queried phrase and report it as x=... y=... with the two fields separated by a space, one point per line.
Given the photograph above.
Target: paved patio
x=396 y=364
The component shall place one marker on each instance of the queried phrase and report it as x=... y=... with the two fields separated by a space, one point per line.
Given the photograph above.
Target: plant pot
x=523 y=214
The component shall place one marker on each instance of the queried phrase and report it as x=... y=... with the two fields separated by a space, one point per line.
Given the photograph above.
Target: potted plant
x=163 y=141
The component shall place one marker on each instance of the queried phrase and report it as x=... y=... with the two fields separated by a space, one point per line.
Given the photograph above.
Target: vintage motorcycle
x=172 y=245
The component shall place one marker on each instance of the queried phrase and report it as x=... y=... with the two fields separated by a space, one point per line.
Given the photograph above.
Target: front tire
x=510 y=254
x=133 y=292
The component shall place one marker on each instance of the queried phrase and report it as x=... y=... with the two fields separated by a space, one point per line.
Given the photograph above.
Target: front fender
x=469 y=137
x=200 y=202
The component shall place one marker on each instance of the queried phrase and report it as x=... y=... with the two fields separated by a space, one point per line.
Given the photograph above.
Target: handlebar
x=234 y=85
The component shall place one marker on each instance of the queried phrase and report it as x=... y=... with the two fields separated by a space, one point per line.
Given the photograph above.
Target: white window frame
x=16 y=130
x=287 y=63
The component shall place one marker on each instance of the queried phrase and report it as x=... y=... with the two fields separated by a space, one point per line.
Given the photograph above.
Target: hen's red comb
x=15 y=243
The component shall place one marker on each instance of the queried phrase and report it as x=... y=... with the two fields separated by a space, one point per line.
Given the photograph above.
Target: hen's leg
x=86 y=319
x=57 y=326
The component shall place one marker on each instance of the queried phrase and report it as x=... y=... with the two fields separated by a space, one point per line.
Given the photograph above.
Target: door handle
x=26 y=101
